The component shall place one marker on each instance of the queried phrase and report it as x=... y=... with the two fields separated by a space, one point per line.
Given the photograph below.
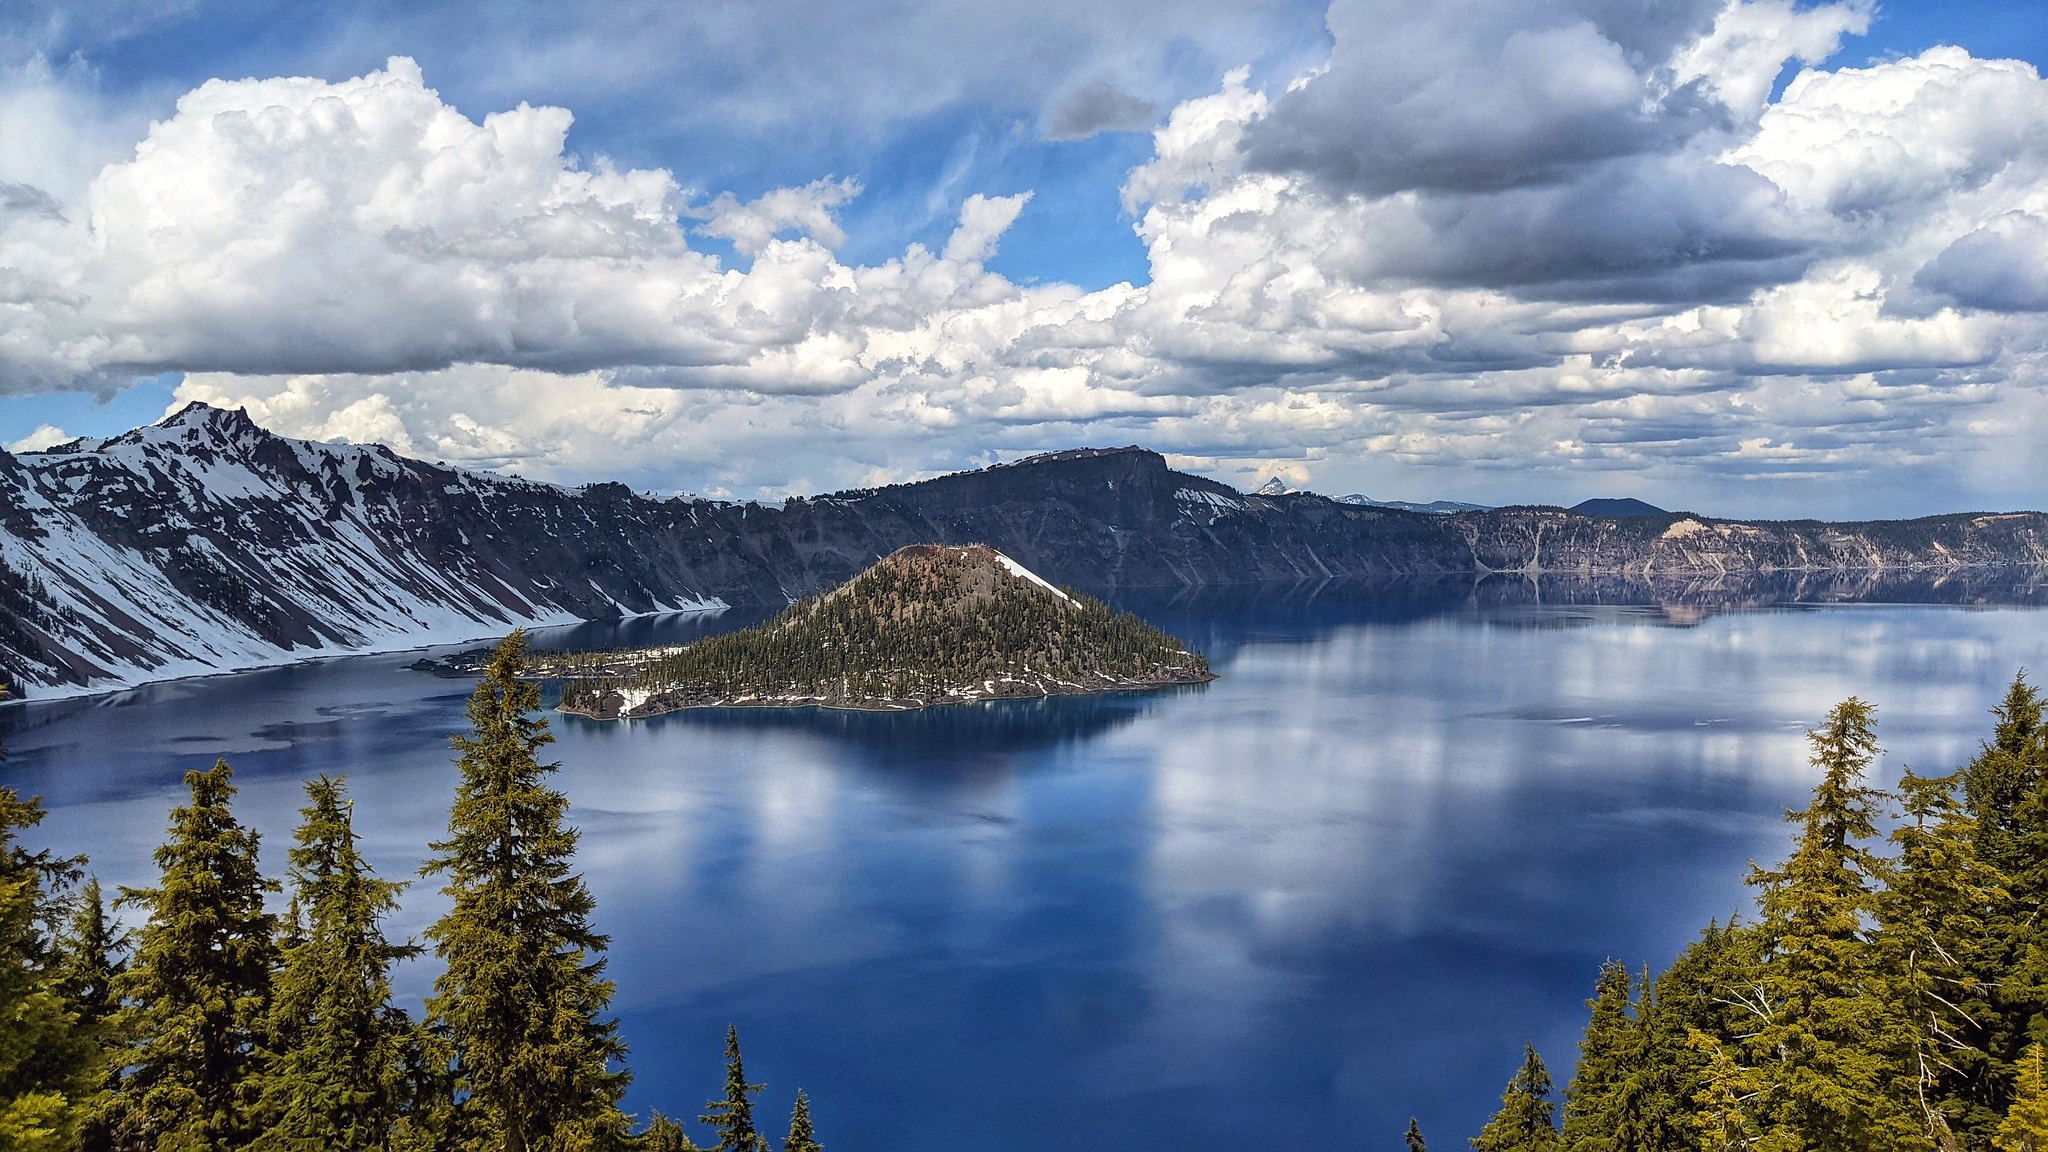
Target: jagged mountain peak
x=1273 y=487
x=197 y=422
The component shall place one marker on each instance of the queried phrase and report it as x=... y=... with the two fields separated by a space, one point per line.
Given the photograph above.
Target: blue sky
x=1439 y=287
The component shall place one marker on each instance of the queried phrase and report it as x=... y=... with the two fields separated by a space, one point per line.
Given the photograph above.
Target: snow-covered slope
x=204 y=544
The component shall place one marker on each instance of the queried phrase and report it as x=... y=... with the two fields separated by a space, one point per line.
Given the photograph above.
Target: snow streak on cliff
x=205 y=544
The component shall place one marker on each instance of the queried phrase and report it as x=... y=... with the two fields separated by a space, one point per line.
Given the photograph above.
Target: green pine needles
x=220 y=1026
x=1890 y=992
x=732 y=1115
x=198 y=992
x=523 y=996
x=1524 y=1122
x=52 y=1060
x=338 y=1055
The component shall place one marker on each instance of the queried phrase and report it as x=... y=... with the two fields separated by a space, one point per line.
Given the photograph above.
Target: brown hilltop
x=928 y=578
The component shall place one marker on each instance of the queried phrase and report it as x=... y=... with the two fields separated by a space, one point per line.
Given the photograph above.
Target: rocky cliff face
x=204 y=543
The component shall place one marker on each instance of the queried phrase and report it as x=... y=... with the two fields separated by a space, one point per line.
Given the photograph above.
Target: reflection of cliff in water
x=1219 y=619
x=1691 y=598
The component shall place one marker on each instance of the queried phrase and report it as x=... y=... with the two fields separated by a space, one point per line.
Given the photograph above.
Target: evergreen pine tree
x=1929 y=951
x=1414 y=1137
x=732 y=1115
x=335 y=1070
x=1702 y=994
x=92 y=957
x=1525 y=1122
x=664 y=1135
x=48 y=1062
x=2005 y=789
x=1724 y=1100
x=1822 y=1033
x=801 y=1138
x=522 y=999
x=93 y=954
x=2025 y=1128
x=1596 y=1101
x=199 y=984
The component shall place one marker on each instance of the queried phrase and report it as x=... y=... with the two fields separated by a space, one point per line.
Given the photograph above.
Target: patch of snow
x=1214 y=499
x=329 y=560
x=1683 y=528
x=1016 y=569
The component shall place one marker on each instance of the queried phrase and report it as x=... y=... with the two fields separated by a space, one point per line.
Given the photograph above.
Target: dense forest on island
x=1888 y=990
x=222 y=1023
x=927 y=624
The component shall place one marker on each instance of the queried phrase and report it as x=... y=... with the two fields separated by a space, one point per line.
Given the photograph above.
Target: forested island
x=1887 y=992
x=928 y=624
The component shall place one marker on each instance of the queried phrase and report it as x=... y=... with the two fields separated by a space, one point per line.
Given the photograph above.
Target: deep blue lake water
x=1336 y=888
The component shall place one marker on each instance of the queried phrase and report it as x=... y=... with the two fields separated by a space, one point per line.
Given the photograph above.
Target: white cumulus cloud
x=1498 y=244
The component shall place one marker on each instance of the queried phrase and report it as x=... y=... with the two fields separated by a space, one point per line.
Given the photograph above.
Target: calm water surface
x=1336 y=888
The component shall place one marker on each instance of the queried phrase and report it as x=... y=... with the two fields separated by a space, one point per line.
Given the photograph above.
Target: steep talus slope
x=204 y=543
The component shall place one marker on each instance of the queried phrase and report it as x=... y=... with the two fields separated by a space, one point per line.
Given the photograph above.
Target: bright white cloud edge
x=358 y=260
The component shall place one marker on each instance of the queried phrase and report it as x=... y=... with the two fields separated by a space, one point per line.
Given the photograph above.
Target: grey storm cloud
x=29 y=200
x=2001 y=267
x=1099 y=106
x=1480 y=95
x=1560 y=150
x=1658 y=229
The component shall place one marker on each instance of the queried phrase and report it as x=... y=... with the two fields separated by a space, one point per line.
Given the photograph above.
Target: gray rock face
x=206 y=544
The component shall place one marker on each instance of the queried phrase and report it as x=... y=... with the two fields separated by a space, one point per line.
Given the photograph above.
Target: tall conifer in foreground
x=2005 y=791
x=334 y=1077
x=732 y=1115
x=801 y=1138
x=523 y=996
x=47 y=1061
x=1525 y=1122
x=1928 y=951
x=664 y=1135
x=1822 y=1033
x=93 y=954
x=1414 y=1136
x=200 y=982
x=1596 y=1104
x=2025 y=1128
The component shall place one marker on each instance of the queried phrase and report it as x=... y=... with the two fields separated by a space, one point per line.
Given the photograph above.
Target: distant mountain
x=1274 y=487
x=206 y=544
x=1617 y=508
x=1435 y=507
x=928 y=624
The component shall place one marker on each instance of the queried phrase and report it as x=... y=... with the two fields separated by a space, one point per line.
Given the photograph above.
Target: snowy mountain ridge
x=206 y=544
